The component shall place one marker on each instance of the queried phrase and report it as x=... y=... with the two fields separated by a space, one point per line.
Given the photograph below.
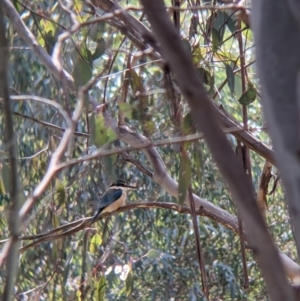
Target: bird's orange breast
x=117 y=204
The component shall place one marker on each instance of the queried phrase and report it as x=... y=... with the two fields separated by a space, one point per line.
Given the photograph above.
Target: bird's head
x=122 y=185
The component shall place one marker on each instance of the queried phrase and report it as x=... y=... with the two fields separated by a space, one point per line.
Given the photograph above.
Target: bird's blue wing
x=109 y=197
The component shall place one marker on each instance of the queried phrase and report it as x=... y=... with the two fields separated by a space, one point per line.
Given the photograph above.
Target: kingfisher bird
x=113 y=198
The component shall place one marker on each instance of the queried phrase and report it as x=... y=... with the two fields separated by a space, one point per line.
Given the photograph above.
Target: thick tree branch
x=11 y=148
x=205 y=118
x=279 y=76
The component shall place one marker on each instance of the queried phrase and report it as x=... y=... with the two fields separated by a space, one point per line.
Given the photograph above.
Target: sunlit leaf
x=126 y=109
x=149 y=127
x=198 y=54
x=78 y=295
x=95 y=242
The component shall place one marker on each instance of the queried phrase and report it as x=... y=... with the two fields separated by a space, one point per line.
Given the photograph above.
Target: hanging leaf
x=96 y=241
x=230 y=78
x=184 y=178
x=216 y=39
x=129 y=283
x=188 y=124
x=237 y=85
x=231 y=22
x=248 y=96
x=136 y=82
x=198 y=159
x=219 y=24
x=61 y=193
x=100 y=49
x=82 y=72
x=96 y=30
x=83 y=66
x=100 y=133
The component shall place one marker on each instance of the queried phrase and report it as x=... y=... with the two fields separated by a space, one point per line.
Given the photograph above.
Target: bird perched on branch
x=113 y=198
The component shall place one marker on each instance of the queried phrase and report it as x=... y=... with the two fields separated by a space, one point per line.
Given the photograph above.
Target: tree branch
x=205 y=118
x=11 y=148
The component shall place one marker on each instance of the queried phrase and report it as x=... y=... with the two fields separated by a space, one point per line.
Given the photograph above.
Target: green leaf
x=6 y=170
x=187 y=124
x=184 y=178
x=149 y=127
x=129 y=283
x=231 y=22
x=197 y=54
x=83 y=66
x=50 y=41
x=153 y=254
x=82 y=72
x=216 y=39
x=101 y=288
x=230 y=78
x=198 y=159
x=126 y=109
x=96 y=241
x=237 y=85
x=136 y=82
x=248 y=96
x=219 y=24
x=60 y=190
x=96 y=30
x=100 y=49
x=100 y=133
